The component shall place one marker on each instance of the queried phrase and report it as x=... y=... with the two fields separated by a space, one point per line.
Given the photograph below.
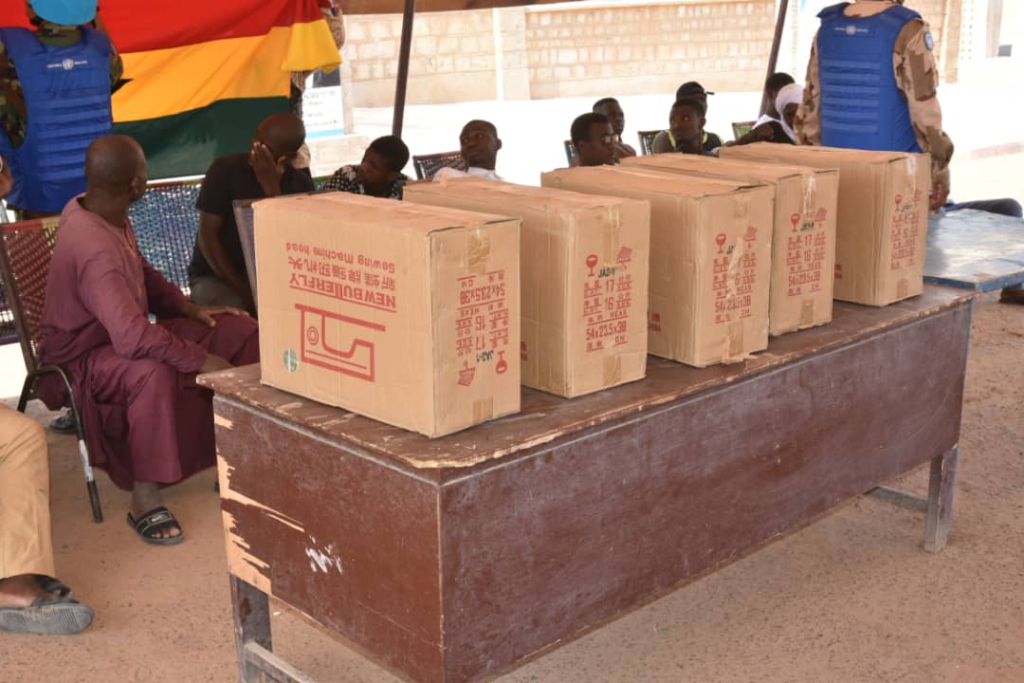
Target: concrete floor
x=850 y=598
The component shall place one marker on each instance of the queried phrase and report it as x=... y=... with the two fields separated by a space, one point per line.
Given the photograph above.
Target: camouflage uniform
x=917 y=76
x=13 y=116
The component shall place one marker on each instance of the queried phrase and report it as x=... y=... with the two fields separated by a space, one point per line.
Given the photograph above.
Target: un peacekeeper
x=55 y=88
x=900 y=112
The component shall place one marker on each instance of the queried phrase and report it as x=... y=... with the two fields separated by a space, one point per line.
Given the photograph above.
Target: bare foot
x=145 y=497
x=19 y=591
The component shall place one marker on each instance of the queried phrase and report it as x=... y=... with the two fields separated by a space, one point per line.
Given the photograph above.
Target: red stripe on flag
x=137 y=26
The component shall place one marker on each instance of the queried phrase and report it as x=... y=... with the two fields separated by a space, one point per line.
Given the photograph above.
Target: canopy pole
x=773 y=57
x=402 y=81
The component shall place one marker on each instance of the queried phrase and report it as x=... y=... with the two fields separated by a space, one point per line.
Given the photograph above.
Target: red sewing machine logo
x=325 y=335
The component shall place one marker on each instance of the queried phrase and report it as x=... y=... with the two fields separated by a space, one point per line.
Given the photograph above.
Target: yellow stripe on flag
x=176 y=80
x=311 y=47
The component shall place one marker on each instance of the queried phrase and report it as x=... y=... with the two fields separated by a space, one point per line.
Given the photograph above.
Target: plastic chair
x=429 y=164
x=741 y=128
x=647 y=141
x=166 y=222
x=25 y=253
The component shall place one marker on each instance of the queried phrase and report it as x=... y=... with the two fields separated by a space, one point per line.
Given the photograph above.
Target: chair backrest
x=246 y=223
x=741 y=128
x=429 y=164
x=25 y=253
x=647 y=141
x=166 y=222
x=570 y=151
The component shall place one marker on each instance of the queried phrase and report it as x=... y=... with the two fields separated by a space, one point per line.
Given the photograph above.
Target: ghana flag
x=202 y=74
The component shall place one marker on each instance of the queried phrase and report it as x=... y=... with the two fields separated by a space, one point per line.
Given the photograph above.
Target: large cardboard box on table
x=584 y=280
x=803 y=237
x=882 y=230
x=710 y=259
x=406 y=314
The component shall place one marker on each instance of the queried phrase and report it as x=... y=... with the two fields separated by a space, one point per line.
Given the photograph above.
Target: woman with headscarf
x=778 y=130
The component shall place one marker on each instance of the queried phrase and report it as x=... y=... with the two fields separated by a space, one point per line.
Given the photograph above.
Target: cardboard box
x=710 y=259
x=882 y=231
x=803 y=236
x=406 y=314
x=584 y=280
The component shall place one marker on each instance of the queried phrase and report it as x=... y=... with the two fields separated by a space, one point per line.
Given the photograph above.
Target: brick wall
x=453 y=57
x=633 y=49
x=582 y=49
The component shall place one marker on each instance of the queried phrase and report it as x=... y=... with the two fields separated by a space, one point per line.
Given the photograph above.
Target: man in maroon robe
x=146 y=422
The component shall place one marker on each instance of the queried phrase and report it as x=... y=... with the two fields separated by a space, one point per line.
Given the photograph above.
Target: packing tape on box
x=612 y=369
x=612 y=228
x=479 y=251
x=732 y=345
x=483 y=409
x=810 y=196
x=903 y=288
x=807 y=312
x=741 y=205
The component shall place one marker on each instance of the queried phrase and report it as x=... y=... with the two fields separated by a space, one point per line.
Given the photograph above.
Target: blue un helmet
x=65 y=12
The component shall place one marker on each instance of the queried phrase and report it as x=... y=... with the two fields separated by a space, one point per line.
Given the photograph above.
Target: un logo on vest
x=68 y=64
x=851 y=30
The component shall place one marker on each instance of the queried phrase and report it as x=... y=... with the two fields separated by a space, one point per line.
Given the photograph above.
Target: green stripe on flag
x=187 y=143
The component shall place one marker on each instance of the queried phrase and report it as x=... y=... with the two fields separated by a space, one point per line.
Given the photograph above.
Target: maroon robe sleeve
x=165 y=298
x=107 y=291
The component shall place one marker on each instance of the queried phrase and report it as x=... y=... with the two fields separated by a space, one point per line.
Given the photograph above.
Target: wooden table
x=453 y=558
x=975 y=250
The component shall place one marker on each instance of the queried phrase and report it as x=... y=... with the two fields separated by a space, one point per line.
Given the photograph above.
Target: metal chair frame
x=26 y=322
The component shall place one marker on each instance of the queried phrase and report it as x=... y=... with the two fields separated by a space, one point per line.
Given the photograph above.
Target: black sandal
x=152 y=523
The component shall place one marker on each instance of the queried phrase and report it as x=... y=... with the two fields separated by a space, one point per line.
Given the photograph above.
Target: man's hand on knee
x=214 y=364
x=205 y=314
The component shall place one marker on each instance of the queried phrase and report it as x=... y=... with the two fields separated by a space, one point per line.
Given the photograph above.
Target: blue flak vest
x=861 y=105
x=67 y=100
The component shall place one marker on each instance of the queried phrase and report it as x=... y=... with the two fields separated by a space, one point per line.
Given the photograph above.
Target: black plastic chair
x=25 y=253
x=570 y=151
x=429 y=164
x=647 y=141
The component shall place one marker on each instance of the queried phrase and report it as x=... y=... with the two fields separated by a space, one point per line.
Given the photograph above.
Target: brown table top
x=545 y=417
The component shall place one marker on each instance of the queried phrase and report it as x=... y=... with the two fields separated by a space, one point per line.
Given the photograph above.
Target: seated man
x=479 y=144
x=147 y=423
x=609 y=106
x=772 y=85
x=31 y=600
x=594 y=139
x=217 y=275
x=686 y=124
x=691 y=90
x=380 y=172
x=779 y=130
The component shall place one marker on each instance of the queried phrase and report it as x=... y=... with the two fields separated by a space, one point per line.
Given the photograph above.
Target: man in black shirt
x=217 y=274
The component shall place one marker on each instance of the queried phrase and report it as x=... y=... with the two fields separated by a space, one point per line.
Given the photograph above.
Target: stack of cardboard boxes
x=427 y=314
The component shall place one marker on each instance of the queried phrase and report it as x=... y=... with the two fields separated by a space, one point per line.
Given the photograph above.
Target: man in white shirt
x=479 y=145
x=774 y=83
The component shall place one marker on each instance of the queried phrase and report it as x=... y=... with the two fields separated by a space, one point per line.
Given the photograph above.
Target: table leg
x=940 y=499
x=252 y=625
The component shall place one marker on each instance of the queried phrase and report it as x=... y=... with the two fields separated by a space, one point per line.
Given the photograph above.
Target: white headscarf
x=790 y=94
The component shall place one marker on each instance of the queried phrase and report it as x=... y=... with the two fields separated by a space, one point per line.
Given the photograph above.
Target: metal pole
x=773 y=57
x=403 y=67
